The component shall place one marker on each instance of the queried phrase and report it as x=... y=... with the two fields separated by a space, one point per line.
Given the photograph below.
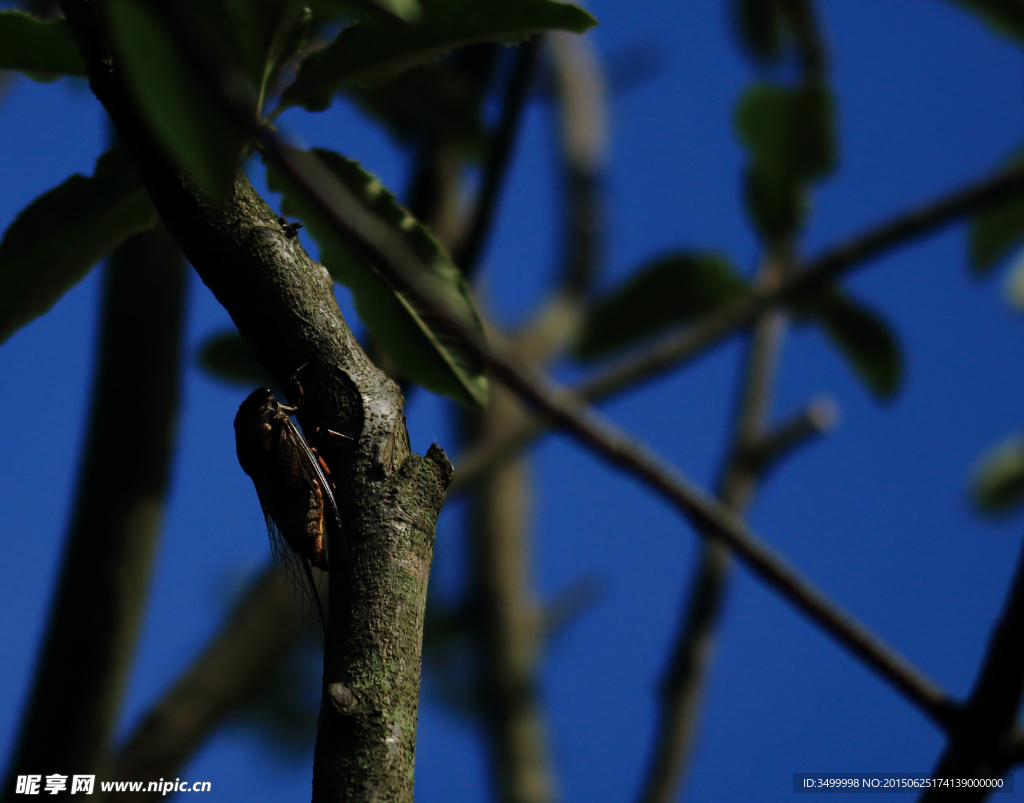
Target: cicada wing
x=296 y=571
x=315 y=474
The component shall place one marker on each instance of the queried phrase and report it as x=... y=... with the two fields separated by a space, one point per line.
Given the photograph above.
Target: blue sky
x=875 y=513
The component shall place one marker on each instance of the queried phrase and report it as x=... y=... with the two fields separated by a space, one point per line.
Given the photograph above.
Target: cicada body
x=292 y=485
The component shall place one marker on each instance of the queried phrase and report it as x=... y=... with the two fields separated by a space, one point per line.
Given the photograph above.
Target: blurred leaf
x=1004 y=16
x=768 y=28
x=405 y=10
x=418 y=343
x=377 y=48
x=434 y=97
x=184 y=113
x=863 y=337
x=998 y=482
x=55 y=240
x=671 y=289
x=43 y=49
x=790 y=136
x=760 y=26
x=995 y=231
x=226 y=356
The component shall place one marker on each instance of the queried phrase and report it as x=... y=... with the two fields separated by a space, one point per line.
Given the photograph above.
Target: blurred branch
x=499 y=155
x=570 y=604
x=982 y=739
x=581 y=102
x=565 y=409
x=776 y=444
x=802 y=17
x=435 y=190
x=402 y=267
x=678 y=348
x=509 y=624
x=236 y=665
x=506 y=619
x=683 y=685
x=94 y=620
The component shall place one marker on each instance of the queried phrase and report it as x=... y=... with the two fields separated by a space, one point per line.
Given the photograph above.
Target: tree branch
x=683 y=684
x=498 y=156
x=283 y=305
x=776 y=444
x=233 y=669
x=94 y=622
x=583 y=117
x=402 y=267
x=678 y=348
x=509 y=624
x=981 y=743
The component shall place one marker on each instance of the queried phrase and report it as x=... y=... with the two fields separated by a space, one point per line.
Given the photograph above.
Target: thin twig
x=817 y=418
x=498 y=156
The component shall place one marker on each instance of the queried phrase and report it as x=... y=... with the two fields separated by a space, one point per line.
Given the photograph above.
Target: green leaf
x=434 y=97
x=184 y=113
x=863 y=337
x=421 y=347
x=672 y=289
x=996 y=231
x=268 y=33
x=377 y=48
x=44 y=49
x=225 y=356
x=790 y=136
x=998 y=482
x=1003 y=16
x=55 y=240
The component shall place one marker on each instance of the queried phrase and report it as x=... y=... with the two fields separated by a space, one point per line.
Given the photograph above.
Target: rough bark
x=283 y=305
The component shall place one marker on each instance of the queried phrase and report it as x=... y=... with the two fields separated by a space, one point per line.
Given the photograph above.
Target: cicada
x=292 y=484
